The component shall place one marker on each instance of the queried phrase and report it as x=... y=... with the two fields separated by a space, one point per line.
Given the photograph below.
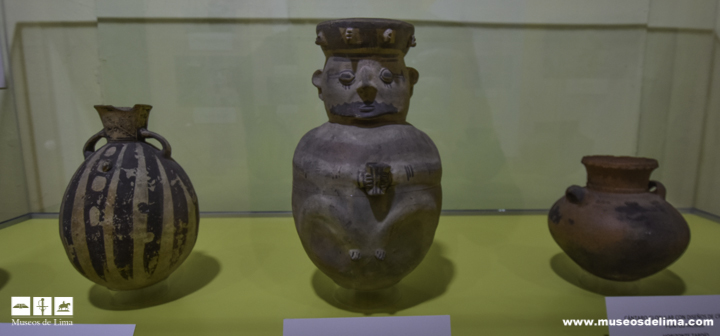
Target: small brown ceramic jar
x=619 y=227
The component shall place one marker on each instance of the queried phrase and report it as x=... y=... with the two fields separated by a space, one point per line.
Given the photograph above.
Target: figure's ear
x=316 y=80
x=414 y=75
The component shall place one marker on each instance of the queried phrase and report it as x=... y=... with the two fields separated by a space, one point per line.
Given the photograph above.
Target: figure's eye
x=346 y=78
x=386 y=76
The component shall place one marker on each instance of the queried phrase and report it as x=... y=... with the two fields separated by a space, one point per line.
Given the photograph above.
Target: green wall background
x=14 y=201
x=513 y=93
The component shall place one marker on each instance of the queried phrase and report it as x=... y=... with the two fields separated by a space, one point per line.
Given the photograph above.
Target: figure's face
x=366 y=88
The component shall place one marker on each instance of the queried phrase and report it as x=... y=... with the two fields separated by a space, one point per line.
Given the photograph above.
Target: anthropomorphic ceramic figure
x=366 y=185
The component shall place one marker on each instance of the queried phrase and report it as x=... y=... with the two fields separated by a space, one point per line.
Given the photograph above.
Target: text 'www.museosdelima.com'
x=647 y=322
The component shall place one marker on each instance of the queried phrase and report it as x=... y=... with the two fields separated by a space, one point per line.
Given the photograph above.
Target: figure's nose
x=367 y=93
x=367 y=90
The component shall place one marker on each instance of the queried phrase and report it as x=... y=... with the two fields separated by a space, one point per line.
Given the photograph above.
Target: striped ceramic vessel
x=129 y=217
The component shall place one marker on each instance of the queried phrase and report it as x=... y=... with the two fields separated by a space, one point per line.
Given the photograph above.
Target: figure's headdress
x=373 y=36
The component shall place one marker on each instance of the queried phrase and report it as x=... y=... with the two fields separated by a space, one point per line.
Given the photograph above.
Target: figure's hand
x=376 y=178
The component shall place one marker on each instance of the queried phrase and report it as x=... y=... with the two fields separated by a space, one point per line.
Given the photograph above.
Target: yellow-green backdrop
x=513 y=93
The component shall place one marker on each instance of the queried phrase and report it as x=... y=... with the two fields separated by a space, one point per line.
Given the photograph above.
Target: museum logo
x=37 y=307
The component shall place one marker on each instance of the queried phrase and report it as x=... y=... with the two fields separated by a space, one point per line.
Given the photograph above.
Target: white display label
x=369 y=326
x=664 y=315
x=29 y=328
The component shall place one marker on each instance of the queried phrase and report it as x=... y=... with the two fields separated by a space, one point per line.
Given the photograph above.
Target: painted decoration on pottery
x=366 y=185
x=619 y=227
x=129 y=216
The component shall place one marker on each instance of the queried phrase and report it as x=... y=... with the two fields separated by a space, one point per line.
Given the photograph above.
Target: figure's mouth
x=367 y=108
x=363 y=110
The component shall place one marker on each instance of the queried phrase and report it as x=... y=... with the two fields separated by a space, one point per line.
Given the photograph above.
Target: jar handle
x=659 y=188
x=89 y=147
x=575 y=194
x=166 y=149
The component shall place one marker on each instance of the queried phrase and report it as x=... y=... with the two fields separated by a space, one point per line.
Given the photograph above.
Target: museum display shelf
x=493 y=274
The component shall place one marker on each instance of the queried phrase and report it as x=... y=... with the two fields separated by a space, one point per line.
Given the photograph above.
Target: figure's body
x=368 y=241
x=366 y=185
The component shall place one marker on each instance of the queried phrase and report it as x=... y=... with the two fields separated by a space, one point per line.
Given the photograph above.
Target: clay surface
x=129 y=216
x=616 y=227
x=366 y=185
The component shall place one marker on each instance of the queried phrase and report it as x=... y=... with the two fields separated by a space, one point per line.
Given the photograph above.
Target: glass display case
x=513 y=93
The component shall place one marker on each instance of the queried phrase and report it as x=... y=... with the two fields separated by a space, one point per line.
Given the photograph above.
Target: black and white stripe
x=129 y=216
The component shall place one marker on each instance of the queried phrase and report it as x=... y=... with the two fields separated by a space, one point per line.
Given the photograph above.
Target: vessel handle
x=89 y=147
x=166 y=149
x=659 y=188
x=575 y=194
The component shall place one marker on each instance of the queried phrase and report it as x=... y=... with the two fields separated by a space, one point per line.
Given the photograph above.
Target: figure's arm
x=376 y=178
